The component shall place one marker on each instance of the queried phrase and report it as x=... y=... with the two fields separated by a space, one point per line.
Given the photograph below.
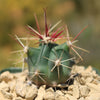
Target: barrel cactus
x=50 y=63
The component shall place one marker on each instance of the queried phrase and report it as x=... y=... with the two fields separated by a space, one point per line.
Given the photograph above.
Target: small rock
x=6 y=76
x=20 y=89
x=86 y=74
x=60 y=98
x=94 y=96
x=4 y=86
x=94 y=74
x=89 y=69
x=2 y=97
x=75 y=91
x=89 y=79
x=7 y=95
x=20 y=76
x=59 y=92
x=26 y=91
x=49 y=94
x=50 y=89
x=82 y=81
x=18 y=98
x=31 y=92
x=70 y=92
x=70 y=88
x=41 y=93
x=84 y=91
x=77 y=69
x=95 y=81
x=81 y=98
x=93 y=87
x=69 y=97
x=64 y=91
x=59 y=95
x=12 y=85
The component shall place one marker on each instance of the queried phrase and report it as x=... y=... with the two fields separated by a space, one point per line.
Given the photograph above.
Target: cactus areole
x=50 y=63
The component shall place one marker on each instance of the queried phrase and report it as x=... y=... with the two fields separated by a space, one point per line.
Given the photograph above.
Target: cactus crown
x=50 y=63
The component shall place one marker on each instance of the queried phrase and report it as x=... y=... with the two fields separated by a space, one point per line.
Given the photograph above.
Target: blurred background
x=16 y=14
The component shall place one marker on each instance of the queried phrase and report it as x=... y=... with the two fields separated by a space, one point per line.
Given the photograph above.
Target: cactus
x=50 y=63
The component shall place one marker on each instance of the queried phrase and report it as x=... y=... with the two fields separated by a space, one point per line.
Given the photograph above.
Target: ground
x=86 y=86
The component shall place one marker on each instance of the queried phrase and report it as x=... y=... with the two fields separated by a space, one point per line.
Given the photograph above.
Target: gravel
x=86 y=86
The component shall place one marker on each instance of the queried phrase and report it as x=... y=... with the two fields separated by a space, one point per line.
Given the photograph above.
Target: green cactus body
x=42 y=59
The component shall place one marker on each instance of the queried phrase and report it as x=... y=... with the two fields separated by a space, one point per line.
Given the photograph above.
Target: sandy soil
x=86 y=86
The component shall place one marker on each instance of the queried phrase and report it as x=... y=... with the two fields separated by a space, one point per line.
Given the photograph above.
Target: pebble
x=84 y=91
x=93 y=96
x=69 y=97
x=59 y=92
x=7 y=94
x=81 y=98
x=93 y=87
x=41 y=93
x=89 y=79
x=26 y=91
x=31 y=92
x=20 y=89
x=61 y=98
x=4 y=86
x=6 y=76
x=18 y=98
x=59 y=95
x=78 y=69
x=12 y=85
x=2 y=97
x=49 y=94
x=76 y=91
